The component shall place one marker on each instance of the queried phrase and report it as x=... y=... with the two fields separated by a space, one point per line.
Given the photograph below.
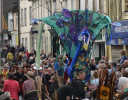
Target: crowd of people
x=120 y=68
x=22 y=79
x=19 y=74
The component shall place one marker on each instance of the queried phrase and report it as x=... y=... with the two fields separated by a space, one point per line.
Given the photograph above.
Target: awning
x=120 y=31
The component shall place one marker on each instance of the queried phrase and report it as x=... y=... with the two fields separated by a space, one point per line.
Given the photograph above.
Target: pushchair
x=32 y=95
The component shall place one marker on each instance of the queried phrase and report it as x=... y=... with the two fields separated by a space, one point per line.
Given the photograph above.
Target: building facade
x=45 y=8
x=25 y=24
x=117 y=11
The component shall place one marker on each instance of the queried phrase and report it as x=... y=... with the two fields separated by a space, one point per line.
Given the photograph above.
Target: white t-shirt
x=122 y=81
x=3 y=59
x=96 y=82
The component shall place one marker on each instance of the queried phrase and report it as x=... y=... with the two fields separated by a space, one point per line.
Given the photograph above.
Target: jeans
x=19 y=62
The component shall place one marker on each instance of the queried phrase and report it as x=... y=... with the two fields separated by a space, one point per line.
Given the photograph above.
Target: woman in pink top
x=12 y=86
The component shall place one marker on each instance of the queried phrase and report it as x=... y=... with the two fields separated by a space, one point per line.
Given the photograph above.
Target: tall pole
x=1 y=27
x=18 y=1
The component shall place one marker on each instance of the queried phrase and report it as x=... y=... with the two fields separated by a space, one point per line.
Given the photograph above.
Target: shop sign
x=5 y=37
x=120 y=31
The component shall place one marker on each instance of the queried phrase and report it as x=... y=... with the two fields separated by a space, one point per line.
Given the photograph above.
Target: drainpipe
x=18 y=3
x=121 y=9
x=79 y=4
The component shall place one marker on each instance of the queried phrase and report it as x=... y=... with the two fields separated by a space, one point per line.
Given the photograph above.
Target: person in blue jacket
x=123 y=58
x=60 y=69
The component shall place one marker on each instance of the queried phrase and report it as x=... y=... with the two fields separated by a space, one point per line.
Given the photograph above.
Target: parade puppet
x=77 y=31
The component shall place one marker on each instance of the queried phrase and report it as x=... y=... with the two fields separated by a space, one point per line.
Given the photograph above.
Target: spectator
x=48 y=77
x=13 y=50
x=4 y=95
x=24 y=65
x=122 y=70
x=123 y=58
x=3 y=60
x=34 y=52
x=42 y=54
x=118 y=76
x=24 y=57
x=32 y=68
x=96 y=78
x=93 y=68
x=24 y=78
x=9 y=56
x=54 y=85
x=123 y=80
x=65 y=92
x=126 y=63
x=19 y=59
x=16 y=49
x=12 y=70
x=60 y=70
x=21 y=49
x=1 y=79
x=33 y=60
x=27 y=54
x=28 y=67
x=118 y=67
x=29 y=84
x=113 y=68
x=12 y=87
x=8 y=46
x=49 y=55
x=5 y=71
x=31 y=54
x=78 y=88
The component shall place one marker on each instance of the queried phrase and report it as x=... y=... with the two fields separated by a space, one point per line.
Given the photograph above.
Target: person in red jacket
x=12 y=87
x=27 y=53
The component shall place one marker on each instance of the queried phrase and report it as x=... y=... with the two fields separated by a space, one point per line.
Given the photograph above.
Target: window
x=22 y=17
x=82 y=4
x=42 y=8
x=25 y=16
x=72 y=4
x=23 y=41
x=30 y=13
x=48 y=8
x=11 y=24
x=26 y=43
x=61 y=4
x=16 y=21
x=54 y=6
x=126 y=5
x=66 y=4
